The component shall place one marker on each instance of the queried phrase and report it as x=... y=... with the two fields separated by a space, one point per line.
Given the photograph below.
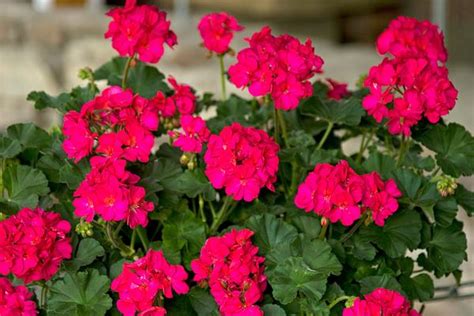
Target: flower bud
x=446 y=185
x=86 y=74
x=191 y=165
x=184 y=159
x=324 y=221
x=2 y=216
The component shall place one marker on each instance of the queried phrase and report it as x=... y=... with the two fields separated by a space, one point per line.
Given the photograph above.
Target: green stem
x=116 y=242
x=435 y=173
x=119 y=227
x=132 y=241
x=282 y=124
x=44 y=292
x=223 y=87
x=294 y=177
x=404 y=146
x=2 y=170
x=222 y=215
x=354 y=228
x=126 y=70
x=324 y=228
x=338 y=300
x=361 y=148
x=326 y=134
x=201 y=209
x=143 y=238
x=275 y=125
x=213 y=210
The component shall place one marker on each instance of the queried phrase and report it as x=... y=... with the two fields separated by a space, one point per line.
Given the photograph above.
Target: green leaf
x=143 y=79
x=24 y=185
x=234 y=109
x=454 y=147
x=363 y=249
x=417 y=191
x=370 y=283
x=273 y=310
x=381 y=163
x=202 y=302
x=9 y=148
x=73 y=174
x=192 y=183
x=272 y=236
x=420 y=287
x=400 y=232
x=294 y=276
x=50 y=164
x=465 y=198
x=80 y=294
x=183 y=232
x=29 y=135
x=310 y=226
x=43 y=100
x=318 y=255
x=446 y=250
x=445 y=211
x=347 y=111
x=89 y=249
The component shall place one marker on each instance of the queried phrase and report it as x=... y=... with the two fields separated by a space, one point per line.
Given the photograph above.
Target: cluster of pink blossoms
x=234 y=272
x=140 y=30
x=242 y=160
x=381 y=302
x=340 y=194
x=116 y=127
x=413 y=82
x=194 y=134
x=217 y=31
x=15 y=300
x=145 y=281
x=33 y=243
x=337 y=90
x=279 y=66
x=182 y=102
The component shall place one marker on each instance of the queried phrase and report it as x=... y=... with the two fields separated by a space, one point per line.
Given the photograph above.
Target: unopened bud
x=324 y=222
x=3 y=216
x=84 y=229
x=184 y=159
x=86 y=74
x=191 y=165
x=350 y=301
x=446 y=185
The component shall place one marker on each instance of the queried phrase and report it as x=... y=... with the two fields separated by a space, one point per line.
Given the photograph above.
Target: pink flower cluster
x=33 y=243
x=116 y=127
x=234 y=272
x=242 y=160
x=195 y=133
x=413 y=82
x=111 y=192
x=140 y=30
x=15 y=300
x=279 y=66
x=337 y=90
x=145 y=281
x=217 y=31
x=381 y=302
x=340 y=194
x=183 y=100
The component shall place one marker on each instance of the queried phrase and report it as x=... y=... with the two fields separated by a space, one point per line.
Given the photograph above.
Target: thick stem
x=222 y=67
x=326 y=134
x=282 y=123
x=142 y=235
x=201 y=209
x=324 y=229
x=404 y=146
x=132 y=241
x=354 y=228
x=44 y=292
x=275 y=125
x=222 y=215
x=338 y=300
x=126 y=70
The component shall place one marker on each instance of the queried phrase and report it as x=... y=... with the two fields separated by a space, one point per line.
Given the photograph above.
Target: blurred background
x=43 y=44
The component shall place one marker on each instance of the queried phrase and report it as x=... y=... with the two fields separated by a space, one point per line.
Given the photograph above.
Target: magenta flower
x=280 y=66
x=381 y=302
x=234 y=272
x=217 y=31
x=337 y=90
x=140 y=30
x=242 y=160
x=33 y=244
x=195 y=133
x=15 y=300
x=143 y=280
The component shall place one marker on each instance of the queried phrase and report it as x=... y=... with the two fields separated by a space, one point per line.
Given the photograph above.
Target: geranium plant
x=140 y=204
